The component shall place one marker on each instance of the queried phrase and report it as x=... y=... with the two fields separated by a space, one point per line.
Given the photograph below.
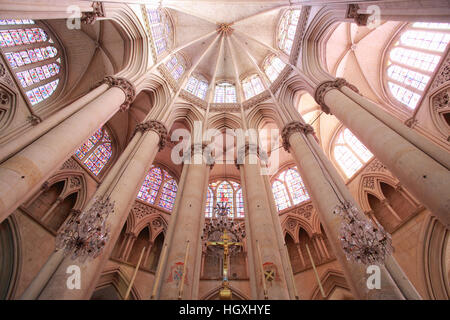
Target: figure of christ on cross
x=225 y=292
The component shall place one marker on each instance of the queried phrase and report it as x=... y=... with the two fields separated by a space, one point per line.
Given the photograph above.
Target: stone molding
x=126 y=86
x=290 y=128
x=299 y=33
x=193 y=99
x=328 y=85
x=154 y=126
x=168 y=77
x=253 y=101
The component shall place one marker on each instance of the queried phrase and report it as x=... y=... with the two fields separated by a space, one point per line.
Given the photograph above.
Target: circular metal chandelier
x=362 y=240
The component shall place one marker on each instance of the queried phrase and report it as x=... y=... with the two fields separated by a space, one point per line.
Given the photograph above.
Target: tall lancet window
x=33 y=56
x=96 y=151
x=160 y=29
x=225 y=93
x=225 y=191
x=176 y=66
x=273 y=66
x=198 y=86
x=159 y=188
x=286 y=30
x=349 y=153
x=288 y=189
x=252 y=86
x=413 y=59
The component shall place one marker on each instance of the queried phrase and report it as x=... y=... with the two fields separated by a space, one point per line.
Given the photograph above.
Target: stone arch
x=434 y=258
x=331 y=280
x=224 y=120
x=10 y=258
x=263 y=112
x=214 y=294
x=117 y=280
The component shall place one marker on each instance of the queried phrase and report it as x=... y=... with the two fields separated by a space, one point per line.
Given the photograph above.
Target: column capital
x=360 y=18
x=127 y=88
x=91 y=16
x=290 y=128
x=34 y=119
x=328 y=85
x=155 y=126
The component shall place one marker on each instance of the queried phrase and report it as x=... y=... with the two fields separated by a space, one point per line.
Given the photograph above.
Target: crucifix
x=225 y=292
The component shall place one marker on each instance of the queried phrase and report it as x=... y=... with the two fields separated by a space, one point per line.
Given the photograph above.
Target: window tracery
x=288 y=189
x=349 y=153
x=252 y=85
x=32 y=56
x=225 y=191
x=159 y=188
x=225 y=92
x=413 y=59
x=96 y=152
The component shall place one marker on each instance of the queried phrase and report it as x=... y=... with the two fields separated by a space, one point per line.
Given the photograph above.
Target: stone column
x=185 y=227
x=22 y=174
x=262 y=231
x=326 y=194
x=122 y=185
x=421 y=167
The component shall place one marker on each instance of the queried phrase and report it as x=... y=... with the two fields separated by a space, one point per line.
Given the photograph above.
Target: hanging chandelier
x=222 y=222
x=362 y=240
x=84 y=236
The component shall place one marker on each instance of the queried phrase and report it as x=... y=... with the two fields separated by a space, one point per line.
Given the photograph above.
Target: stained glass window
x=287 y=28
x=33 y=57
x=225 y=191
x=288 y=189
x=197 y=86
x=272 y=67
x=350 y=153
x=160 y=29
x=209 y=203
x=414 y=58
x=96 y=151
x=225 y=93
x=169 y=192
x=176 y=66
x=160 y=188
x=252 y=86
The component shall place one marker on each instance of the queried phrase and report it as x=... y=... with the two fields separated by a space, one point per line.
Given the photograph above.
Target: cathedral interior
x=214 y=149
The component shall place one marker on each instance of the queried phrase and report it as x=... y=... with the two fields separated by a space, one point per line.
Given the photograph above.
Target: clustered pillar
x=121 y=185
x=327 y=193
x=271 y=279
x=24 y=173
x=421 y=167
x=183 y=240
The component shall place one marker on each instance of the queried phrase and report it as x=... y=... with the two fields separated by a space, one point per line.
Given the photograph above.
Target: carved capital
x=326 y=86
x=411 y=122
x=127 y=88
x=290 y=128
x=34 y=119
x=359 y=18
x=155 y=126
x=91 y=16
